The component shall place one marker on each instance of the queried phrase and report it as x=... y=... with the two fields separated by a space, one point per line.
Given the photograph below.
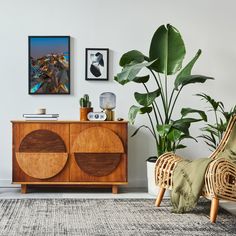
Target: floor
x=56 y=192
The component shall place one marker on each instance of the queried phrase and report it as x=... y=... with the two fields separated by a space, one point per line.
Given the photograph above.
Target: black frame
x=86 y=63
x=29 y=52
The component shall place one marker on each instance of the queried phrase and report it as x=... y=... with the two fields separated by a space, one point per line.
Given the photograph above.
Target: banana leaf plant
x=166 y=55
x=213 y=132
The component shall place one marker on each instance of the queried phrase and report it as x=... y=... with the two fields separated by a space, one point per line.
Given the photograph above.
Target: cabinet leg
x=114 y=189
x=23 y=188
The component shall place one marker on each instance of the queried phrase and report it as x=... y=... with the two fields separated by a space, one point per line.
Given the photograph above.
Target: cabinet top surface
x=68 y=121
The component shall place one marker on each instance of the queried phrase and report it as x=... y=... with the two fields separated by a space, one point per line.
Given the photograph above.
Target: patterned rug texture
x=107 y=217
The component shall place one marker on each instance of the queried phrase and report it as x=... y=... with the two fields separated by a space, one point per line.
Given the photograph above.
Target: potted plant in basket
x=166 y=54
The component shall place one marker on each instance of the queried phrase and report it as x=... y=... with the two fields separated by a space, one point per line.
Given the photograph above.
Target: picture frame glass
x=49 y=65
x=97 y=62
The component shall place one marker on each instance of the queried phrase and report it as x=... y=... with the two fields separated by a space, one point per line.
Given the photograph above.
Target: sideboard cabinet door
x=98 y=152
x=40 y=152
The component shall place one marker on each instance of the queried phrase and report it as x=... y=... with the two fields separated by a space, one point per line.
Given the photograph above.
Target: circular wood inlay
x=98 y=140
x=98 y=151
x=42 y=141
x=98 y=164
x=42 y=154
x=41 y=165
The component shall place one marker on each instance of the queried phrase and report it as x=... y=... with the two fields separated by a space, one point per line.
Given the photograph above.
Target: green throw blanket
x=188 y=180
x=188 y=177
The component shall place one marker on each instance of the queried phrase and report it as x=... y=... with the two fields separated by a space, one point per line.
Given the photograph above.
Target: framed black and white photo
x=96 y=64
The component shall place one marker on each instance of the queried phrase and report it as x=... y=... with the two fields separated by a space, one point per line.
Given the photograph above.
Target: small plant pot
x=153 y=189
x=84 y=112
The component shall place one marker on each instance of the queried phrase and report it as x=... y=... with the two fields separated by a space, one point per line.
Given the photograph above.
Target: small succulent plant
x=84 y=101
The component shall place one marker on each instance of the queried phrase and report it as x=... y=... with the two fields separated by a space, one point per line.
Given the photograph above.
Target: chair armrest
x=220 y=179
x=164 y=169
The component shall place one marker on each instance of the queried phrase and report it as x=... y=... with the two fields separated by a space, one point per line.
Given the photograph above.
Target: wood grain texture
x=120 y=174
x=84 y=112
x=20 y=131
x=114 y=189
x=66 y=122
x=160 y=196
x=71 y=174
x=98 y=139
x=42 y=141
x=23 y=188
x=41 y=165
x=77 y=183
x=97 y=164
x=214 y=209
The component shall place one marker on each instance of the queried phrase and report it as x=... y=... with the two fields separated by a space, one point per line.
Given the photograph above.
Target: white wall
x=119 y=25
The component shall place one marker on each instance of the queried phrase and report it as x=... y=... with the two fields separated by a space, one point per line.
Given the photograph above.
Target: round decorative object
x=42 y=140
x=98 y=151
x=42 y=154
x=98 y=140
x=41 y=165
x=97 y=164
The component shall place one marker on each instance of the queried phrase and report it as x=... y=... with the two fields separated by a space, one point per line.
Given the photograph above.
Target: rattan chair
x=220 y=176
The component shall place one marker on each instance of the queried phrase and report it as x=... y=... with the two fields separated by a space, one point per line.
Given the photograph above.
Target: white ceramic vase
x=152 y=188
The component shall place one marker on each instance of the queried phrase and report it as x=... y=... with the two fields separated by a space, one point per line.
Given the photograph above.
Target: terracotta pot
x=84 y=112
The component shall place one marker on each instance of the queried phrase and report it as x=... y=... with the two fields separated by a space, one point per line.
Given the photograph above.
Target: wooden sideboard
x=69 y=153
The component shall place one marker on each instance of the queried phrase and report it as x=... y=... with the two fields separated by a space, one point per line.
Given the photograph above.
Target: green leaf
x=130 y=72
x=180 y=146
x=163 y=130
x=141 y=79
x=186 y=71
x=190 y=79
x=140 y=127
x=168 y=46
x=184 y=136
x=144 y=110
x=210 y=130
x=207 y=137
x=186 y=111
x=184 y=124
x=146 y=99
x=174 y=135
x=131 y=56
x=133 y=111
x=211 y=145
x=122 y=82
x=210 y=100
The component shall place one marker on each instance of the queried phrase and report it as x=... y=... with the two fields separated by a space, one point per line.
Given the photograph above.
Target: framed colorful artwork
x=49 y=65
x=96 y=63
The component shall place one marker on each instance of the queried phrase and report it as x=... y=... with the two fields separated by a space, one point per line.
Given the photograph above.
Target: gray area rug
x=107 y=217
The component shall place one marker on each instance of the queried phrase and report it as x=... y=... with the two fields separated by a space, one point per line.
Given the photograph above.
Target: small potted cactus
x=85 y=107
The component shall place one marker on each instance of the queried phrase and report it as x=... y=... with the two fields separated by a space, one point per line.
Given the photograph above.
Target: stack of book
x=41 y=116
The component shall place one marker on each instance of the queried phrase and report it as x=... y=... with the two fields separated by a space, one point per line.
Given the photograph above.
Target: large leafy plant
x=166 y=54
x=213 y=132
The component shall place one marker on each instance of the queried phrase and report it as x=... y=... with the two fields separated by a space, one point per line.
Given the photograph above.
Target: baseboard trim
x=7 y=183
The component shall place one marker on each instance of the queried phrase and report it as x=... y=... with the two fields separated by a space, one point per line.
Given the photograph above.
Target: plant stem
x=158 y=110
x=217 y=125
x=154 y=132
x=152 y=104
x=162 y=93
x=171 y=97
x=166 y=120
x=172 y=108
